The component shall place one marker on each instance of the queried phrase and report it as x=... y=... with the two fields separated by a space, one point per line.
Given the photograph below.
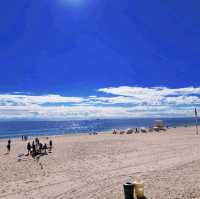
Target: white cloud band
x=118 y=102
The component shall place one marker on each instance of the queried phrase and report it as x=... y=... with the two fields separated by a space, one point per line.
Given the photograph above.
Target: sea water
x=43 y=128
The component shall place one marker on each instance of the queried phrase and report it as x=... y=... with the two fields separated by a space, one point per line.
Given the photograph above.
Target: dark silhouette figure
x=45 y=148
x=37 y=141
x=29 y=148
x=50 y=144
x=8 y=147
x=33 y=149
x=9 y=141
x=40 y=148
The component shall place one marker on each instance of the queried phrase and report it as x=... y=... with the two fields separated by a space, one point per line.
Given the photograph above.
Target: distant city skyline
x=85 y=59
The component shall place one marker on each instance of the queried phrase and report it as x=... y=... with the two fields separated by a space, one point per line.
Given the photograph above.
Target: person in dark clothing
x=37 y=141
x=8 y=147
x=50 y=145
x=29 y=148
x=40 y=147
x=33 y=149
x=9 y=141
x=45 y=148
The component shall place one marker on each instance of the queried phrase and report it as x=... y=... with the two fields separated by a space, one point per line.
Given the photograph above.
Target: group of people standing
x=36 y=147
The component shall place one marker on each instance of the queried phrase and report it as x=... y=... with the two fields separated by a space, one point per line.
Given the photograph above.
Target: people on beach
x=40 y=147
x=9 y=146
x=29 y=148
x=33 y=152
x=37 y=148
x=45 y=148
x=9 y=141
x=37 y=141
x=50 y=145
x=24 y=138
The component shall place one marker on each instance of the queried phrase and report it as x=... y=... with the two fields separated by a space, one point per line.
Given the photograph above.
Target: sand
x=96 y=166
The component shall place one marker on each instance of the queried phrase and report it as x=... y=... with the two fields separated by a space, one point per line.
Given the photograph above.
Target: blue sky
x=78 y=51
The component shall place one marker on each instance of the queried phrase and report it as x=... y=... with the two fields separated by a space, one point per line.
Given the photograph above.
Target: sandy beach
x=96 y=166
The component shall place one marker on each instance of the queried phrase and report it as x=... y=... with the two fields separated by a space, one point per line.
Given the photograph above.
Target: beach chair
x=143 y=130
x=129 y=131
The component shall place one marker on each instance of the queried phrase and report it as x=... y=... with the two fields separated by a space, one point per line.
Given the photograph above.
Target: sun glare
x=74 y=3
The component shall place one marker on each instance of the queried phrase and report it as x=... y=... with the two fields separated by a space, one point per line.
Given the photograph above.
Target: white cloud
x=183 y=100
x=156 y=95
x=118 y=103
x=33 y=99
x=156 y=91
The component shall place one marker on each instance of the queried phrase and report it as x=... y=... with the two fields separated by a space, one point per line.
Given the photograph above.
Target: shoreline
x=15 y=129
x=87 y=133
x=53 y=136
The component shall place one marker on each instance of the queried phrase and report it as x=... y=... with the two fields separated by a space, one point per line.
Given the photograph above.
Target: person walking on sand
x=29 y=148
x=50 y=145
x=9 y=141
x=8 y=146
x=33 y=149
x=45 y=148
x=40 y=147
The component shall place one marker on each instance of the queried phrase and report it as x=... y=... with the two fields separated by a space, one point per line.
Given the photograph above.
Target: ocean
x=45 y=128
